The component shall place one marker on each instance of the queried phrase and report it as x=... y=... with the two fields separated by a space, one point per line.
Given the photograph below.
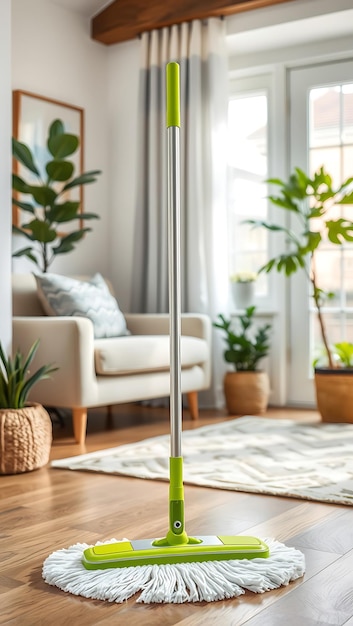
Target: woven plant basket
x=25 y=439
x=246 y=393
x=334 y=394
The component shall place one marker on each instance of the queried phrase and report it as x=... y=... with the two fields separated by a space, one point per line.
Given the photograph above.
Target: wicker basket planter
x=334 y=394
x=25 y=439
x=246 y=393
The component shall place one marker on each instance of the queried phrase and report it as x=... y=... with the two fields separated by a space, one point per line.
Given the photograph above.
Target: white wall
x=54 y=56
x=5 y=175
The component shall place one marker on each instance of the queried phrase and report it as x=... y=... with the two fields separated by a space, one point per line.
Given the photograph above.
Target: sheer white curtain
x=199 y=48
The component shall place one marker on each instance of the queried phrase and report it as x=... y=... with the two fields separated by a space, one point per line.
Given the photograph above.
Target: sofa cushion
x=66 y=296
x=144 y=353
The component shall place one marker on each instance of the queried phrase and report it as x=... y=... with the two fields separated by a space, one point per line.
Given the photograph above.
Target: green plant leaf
x=22 y=153
x=28 y=252
x=31 y=355
x=25 y=206
x=56 y=128
x=41 y=374
x=275 y=181
x=324 y=196
x=64 y=212
x=288 y=263
x=300 y=180
x=18 y=184
x=62 y=145
x=348 y=199
x=84 y=179
x=313 y=240
x=43 y=195
x=89 y=216
x=59 y=170
x=285 y=203
x=5 y=361
x=316 y=212
x=263 y=224
x=344 y=351
x=41 y=231
x=339 y=230
x=14 y=381
x=19 y=231
x=66 y=244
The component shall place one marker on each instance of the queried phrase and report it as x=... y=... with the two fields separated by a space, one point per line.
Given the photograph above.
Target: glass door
x=321 y=133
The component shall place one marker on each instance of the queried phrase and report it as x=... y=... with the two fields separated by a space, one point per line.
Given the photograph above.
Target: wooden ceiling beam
x=126 y=19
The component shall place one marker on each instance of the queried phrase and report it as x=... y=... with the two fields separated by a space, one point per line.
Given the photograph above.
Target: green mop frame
x=176 y=547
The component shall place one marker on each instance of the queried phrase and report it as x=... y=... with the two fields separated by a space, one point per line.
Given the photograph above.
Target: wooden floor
x=48 y=509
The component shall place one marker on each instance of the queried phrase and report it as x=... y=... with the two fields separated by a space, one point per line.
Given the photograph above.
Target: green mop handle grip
x=173 y=99
x=176 y=534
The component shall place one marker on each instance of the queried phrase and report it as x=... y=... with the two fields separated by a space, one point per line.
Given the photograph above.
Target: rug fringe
x=182 y=582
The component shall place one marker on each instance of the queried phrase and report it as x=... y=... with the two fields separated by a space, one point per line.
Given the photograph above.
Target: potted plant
x=48 y=206
x=311 y=200
x=247 y=389
x=25 y=428
x=243 y=288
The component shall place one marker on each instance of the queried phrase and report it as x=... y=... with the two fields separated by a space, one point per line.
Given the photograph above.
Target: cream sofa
x=102 y=372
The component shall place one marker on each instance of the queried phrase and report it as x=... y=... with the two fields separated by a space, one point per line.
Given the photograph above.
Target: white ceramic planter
x=243 y=294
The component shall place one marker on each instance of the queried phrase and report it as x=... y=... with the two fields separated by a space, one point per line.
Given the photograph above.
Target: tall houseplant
x=48 y=206
x=311 y=200
x=25 y=428
x=246 y=389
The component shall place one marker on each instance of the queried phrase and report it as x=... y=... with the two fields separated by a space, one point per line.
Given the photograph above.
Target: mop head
x=182 y=582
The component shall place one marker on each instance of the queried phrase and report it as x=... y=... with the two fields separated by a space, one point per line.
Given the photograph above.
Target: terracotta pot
x=25 y=439
x=334 y=394
x=246 y=393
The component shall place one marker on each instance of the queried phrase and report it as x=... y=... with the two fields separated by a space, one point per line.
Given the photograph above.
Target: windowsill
x=257 y=313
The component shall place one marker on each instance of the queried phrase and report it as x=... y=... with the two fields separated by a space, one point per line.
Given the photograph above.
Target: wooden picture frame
x=32 y=116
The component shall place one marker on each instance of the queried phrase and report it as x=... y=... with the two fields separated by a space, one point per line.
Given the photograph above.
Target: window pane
x=347 y=165
x=347 y=97
x=247 y=160
x=324 y=108
x=329 y=274
x=330 y=158
x=348 y=281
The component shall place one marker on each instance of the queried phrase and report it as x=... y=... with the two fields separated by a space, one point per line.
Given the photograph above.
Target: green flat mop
x=175 y=568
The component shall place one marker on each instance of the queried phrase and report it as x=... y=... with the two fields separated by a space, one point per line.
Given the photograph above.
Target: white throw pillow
x=62 y=295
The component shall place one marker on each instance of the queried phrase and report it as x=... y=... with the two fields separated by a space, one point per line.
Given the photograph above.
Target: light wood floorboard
x=48 y=509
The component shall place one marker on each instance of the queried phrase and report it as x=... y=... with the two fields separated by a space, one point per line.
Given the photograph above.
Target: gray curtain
x=199 y=48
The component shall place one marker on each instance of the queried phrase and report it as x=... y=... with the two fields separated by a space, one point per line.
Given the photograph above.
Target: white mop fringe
x=182 y=582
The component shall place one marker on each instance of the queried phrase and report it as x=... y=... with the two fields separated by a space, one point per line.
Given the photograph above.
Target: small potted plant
x=25 y=428
x=246 y=389
x=243 y=288
x=311 y=201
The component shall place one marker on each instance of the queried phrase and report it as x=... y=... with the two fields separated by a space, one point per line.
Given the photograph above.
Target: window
x=331 y=144
x=247 y=172
x=321 y=133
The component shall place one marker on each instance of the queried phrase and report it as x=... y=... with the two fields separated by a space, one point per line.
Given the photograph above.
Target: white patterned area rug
x=251 y=454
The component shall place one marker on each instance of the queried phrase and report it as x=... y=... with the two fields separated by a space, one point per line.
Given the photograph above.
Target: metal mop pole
x=173 y=148
x=176 y=534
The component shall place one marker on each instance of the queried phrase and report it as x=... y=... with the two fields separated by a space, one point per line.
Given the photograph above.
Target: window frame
x=260 y=84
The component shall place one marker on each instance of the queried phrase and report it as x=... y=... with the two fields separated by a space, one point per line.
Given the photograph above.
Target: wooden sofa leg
x=193 y=404
x=79 y=420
